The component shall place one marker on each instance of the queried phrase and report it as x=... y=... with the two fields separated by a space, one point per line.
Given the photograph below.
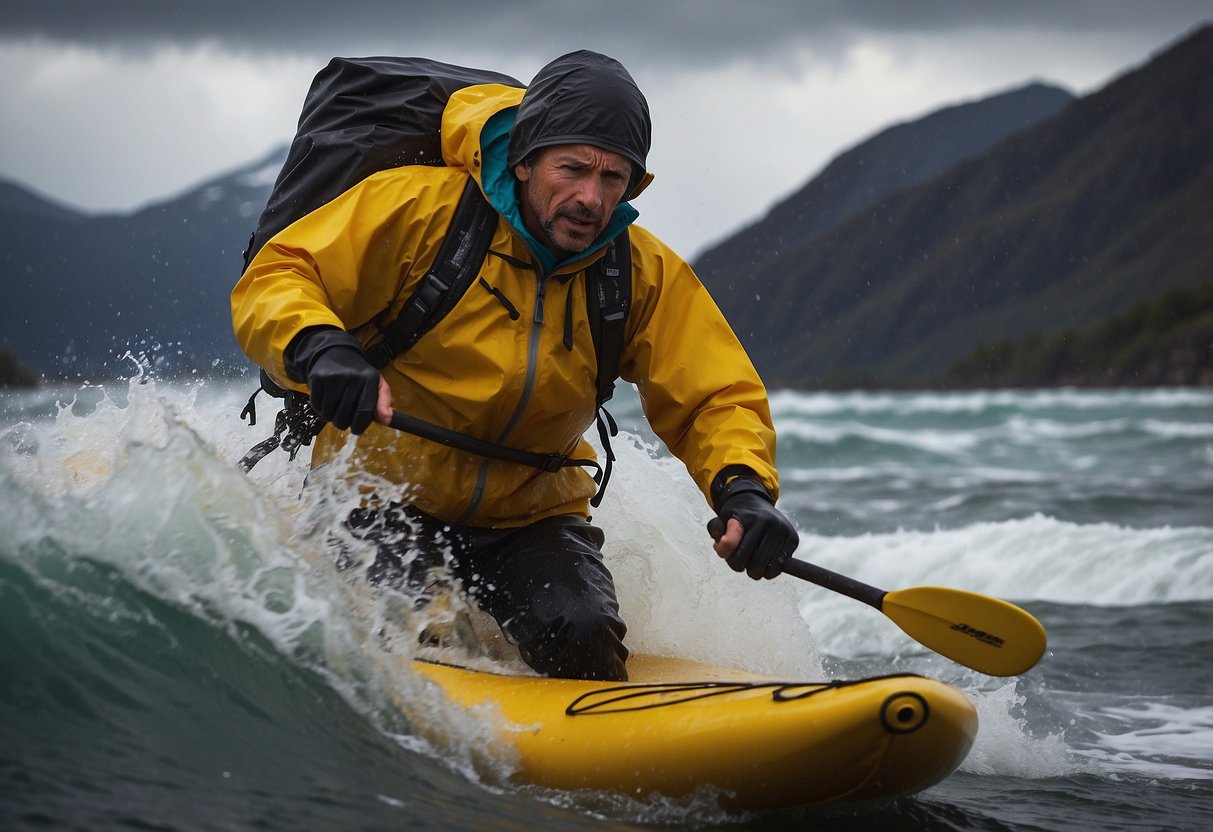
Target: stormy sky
x=109 y=106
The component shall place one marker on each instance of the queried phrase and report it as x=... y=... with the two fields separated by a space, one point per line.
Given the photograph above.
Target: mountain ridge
x=1057 y=226
x=892 y=159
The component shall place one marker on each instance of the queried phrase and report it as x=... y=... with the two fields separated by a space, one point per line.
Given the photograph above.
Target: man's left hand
x=758 y=538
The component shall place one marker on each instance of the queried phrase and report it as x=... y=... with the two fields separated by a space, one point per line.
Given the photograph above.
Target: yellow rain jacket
x=480 y=371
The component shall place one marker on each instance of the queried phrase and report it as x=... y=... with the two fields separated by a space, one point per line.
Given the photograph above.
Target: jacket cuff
x=736 y=479
x=304 y=348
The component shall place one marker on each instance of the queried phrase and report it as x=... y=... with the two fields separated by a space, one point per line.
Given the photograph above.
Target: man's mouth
x=578 y=230
x=580 y=220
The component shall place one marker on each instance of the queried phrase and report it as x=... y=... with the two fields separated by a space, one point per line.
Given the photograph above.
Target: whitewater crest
x=143 y=482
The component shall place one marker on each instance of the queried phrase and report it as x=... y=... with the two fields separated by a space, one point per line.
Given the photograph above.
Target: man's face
x=569 y=193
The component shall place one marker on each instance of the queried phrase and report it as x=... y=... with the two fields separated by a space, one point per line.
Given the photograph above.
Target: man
x=513 y=363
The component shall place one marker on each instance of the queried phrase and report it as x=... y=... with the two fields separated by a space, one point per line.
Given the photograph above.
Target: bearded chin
x=549 y=231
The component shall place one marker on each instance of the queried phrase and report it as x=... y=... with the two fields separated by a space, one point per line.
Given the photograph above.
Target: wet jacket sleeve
x=339 y=266
x=701 y=393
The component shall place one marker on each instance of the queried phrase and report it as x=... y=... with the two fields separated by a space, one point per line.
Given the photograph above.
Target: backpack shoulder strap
x=459 y=258
x=609 y=296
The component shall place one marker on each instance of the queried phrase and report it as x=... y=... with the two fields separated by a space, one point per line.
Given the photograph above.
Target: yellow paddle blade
x=984 y=633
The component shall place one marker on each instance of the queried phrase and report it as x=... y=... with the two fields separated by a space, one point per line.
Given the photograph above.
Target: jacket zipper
x=528 y=388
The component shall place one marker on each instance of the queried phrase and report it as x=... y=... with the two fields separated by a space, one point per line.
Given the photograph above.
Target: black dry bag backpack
x=364 y=115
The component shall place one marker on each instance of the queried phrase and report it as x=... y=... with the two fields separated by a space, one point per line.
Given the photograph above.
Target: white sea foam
x=676 y=595
x=1161 y=728
x=1035 y=558
x=1004 y=745
x=1182 y=430
x=785 y=403
x=1027 y=429
x=1155 y=739
x=832 y=433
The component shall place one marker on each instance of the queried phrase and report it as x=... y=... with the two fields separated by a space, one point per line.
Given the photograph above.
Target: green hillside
x=1166 y=341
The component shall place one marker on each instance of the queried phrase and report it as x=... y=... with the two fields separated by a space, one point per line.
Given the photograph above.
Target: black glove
x=769 y=538
x=344 y=386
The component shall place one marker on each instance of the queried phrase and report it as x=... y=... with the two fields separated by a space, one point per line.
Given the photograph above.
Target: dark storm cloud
x=694 y=32
x=749 y=96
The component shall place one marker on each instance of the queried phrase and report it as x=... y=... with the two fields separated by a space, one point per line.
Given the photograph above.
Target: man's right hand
x=345 y=388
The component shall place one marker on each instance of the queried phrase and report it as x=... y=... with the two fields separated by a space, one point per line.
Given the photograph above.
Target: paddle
x=983 y=633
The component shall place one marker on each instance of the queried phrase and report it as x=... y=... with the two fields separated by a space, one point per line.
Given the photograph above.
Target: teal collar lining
x=500 y=187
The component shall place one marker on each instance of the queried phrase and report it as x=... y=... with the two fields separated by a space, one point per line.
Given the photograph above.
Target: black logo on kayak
x=980 y=635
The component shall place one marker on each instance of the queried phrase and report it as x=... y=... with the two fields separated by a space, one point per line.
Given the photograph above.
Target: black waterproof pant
x=545 y=584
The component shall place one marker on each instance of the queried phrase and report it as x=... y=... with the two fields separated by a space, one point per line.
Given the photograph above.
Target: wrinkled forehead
x=587 y=154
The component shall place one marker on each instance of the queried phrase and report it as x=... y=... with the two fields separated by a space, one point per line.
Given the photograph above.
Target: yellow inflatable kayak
x=677 y=726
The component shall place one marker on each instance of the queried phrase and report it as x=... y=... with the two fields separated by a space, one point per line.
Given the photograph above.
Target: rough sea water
x=177 y=651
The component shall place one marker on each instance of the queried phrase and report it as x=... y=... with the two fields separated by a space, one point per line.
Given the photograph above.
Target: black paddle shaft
x=850 y=587
x=821 y=576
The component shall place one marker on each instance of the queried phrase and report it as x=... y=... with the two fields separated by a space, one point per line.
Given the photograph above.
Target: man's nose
x=590 y=193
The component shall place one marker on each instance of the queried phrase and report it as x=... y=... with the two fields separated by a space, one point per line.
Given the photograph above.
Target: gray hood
x=584 y=98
